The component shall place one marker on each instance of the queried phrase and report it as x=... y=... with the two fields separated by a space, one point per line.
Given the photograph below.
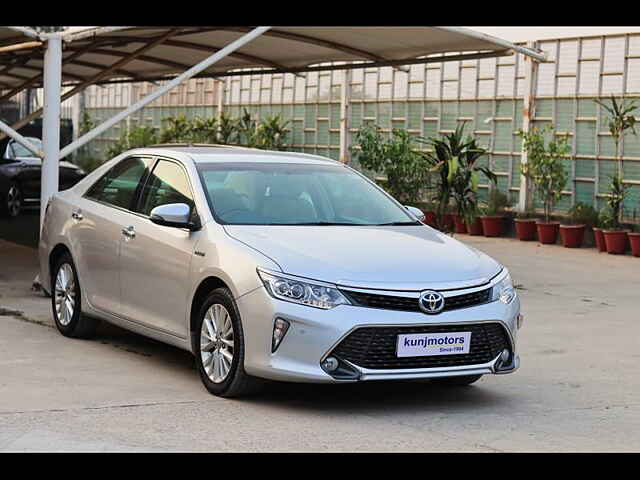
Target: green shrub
x=137 y=137
x=405 y=169
x=583 y=214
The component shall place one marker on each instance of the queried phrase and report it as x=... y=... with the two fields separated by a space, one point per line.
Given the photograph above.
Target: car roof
x=205 y=153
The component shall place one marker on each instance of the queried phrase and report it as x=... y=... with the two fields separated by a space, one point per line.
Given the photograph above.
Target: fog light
x=504 y=356
x=280 y=328
x=330 y=364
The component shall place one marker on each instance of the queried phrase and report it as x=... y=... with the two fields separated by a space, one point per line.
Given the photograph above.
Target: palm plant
x=137 y=137
x=178 y=130
x=615 y=201
x=227 y=129
x=455 y=159
x=247 y=129
x=271 y=133
x=620 y=120
x=203 y=130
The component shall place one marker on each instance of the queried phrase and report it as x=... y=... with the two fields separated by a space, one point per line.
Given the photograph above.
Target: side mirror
x=174 y=215
x=416 y=212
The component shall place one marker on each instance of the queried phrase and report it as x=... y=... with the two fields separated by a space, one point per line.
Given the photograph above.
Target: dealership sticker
x=428 y=344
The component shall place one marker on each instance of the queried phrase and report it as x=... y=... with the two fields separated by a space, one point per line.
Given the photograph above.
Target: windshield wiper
x=397 y=224
x=319 y=223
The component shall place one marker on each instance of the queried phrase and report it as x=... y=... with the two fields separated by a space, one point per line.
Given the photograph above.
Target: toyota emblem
x=431 y=302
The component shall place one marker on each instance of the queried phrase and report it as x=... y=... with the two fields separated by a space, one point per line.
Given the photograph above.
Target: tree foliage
x=544 y=166
x=405 y=169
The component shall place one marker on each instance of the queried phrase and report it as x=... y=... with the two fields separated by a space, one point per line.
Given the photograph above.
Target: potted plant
x=525 y=224
x=598 y=236
x=615 y=236
x=572 y=229
x=429 y=210
x=493 y=213
x=544 y=169
x=634 y=240
x=455 y=159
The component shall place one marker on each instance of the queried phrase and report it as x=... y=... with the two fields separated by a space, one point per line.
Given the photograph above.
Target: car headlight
x=503 y=290
x=311 y=293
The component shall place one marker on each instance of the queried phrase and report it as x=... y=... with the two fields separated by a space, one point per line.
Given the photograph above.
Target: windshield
x=294 y=194
x=17 y=150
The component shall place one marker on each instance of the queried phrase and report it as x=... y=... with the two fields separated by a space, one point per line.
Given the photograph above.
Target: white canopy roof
x=146 y=53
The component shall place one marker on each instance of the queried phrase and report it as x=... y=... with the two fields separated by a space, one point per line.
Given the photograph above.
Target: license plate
x=430 y=344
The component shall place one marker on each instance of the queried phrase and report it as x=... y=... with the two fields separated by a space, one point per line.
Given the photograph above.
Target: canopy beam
x=96 y=77
x=203 y=65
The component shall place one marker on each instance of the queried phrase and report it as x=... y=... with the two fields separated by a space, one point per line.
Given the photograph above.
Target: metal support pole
x=51 y=121
x=345 y=100
x=203 y=65
x=525 y=200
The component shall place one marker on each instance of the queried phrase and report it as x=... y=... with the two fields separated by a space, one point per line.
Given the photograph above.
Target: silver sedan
x=273 y=265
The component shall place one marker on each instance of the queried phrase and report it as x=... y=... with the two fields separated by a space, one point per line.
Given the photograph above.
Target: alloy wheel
x=217 y=343
x=65 y=294
x=14 y=201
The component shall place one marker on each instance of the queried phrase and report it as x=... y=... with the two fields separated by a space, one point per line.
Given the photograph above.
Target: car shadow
x=373 y=397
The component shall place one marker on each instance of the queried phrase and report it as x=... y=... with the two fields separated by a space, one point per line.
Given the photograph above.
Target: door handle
x=129 y=232
x=76 y=215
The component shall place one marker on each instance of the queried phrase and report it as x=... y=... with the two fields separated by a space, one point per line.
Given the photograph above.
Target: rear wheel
x=459 y=381
x=66 y=301
x=220 y=348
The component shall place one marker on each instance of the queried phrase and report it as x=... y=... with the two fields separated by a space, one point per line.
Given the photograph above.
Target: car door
x=96 y=232
x=154 y=259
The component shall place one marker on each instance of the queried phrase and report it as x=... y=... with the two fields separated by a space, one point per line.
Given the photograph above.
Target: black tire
x=459 y=381
x=12 y=201
x=237 y=382
x=79 y=326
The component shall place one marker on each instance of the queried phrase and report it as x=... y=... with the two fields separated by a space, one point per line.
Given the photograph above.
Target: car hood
x=395 y=258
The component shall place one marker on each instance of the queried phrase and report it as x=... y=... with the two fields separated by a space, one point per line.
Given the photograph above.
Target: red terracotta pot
x=634 y=239
x=460 y=225
x=475 y=228
x=572 y=235
x=599 y=237
x=525 y=228
x=547 y=232
x=447 y=220
x=492 y=225
x=430 y=218
x=616 y=241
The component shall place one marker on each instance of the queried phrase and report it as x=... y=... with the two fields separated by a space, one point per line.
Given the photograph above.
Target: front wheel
x=459 y=381
x=12 y=205
x=220 y=348
x=66 y=301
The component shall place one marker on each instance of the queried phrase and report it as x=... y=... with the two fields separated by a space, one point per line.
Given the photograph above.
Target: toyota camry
x=273 y=266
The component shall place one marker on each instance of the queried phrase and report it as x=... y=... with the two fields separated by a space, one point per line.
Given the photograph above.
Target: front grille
x=375 y=347
x=409 y=304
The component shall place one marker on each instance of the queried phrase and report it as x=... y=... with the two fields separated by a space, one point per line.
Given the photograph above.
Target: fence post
x=345 y=134
x=220 y=93
x=525 y=199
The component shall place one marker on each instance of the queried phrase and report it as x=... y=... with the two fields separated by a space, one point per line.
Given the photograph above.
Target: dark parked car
x=20 y=173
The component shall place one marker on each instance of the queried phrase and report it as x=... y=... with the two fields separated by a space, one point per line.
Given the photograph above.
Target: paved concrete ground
x=578 y=388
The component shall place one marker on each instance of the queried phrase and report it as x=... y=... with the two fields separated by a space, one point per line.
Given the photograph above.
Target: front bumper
x=314 y=333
